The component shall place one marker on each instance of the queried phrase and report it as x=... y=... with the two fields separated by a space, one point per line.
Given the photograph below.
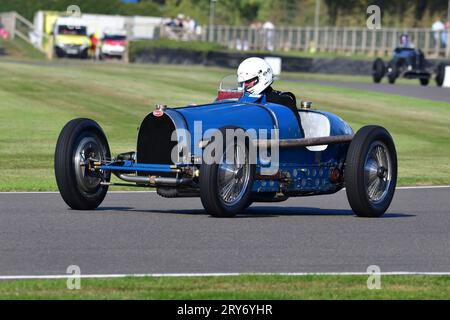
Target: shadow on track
x=259 y=212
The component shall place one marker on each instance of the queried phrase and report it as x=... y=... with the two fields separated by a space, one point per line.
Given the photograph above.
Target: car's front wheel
x=424 y=81
x=371 y=171
x=440 y=74
x=378 y=70
x=81 y=142
x=226 y=186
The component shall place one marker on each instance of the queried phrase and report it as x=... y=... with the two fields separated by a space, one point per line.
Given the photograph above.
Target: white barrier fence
x=328 y=39
x=19 y=27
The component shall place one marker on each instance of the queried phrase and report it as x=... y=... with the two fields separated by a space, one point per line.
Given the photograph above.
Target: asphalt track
x=137 y=233
x=431 y=92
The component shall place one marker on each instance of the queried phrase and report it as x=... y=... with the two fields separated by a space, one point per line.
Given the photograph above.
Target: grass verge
x=37 y=99
x=233 y=287
x=203 y=47
x=198 y=46
x=19 y=49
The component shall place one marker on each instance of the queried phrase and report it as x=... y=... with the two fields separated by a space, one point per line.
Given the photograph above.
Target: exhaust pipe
x=295 y=143
x=307 y=142
x=156 y=181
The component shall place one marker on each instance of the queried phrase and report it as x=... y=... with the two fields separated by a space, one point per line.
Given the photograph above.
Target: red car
x=113 y=45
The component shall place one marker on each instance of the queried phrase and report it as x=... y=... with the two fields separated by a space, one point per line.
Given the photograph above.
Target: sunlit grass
x=233 y=287
x=37 y=100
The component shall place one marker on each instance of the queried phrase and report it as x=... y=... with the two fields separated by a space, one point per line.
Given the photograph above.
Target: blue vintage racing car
x=407 y=63
x=195 y=151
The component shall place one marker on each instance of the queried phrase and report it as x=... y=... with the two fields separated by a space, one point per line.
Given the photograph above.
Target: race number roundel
x=158 y=113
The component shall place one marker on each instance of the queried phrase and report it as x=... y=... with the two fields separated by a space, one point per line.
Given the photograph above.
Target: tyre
x=59 y=53
x=440 y=74
x=79 y=140
x=424 y=81
x=371 y=171
x=84 y=54
x=225 y=188
x=378 y=70
x=392 y=73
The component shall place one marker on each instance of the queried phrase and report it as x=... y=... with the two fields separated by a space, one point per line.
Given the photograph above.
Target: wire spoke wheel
x=233 y=178
x=377 y=172
x=226 y=186
x=371 y=171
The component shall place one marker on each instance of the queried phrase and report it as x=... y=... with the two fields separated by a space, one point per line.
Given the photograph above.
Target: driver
x=404 y=41
x=405 y=53
x=256 y=76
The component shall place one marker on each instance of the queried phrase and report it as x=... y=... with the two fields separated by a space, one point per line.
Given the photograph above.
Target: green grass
x=233 y=287
x=315 y=55
x=19 y=49
x=289 y=76
x=204 y=47
x=37 y=100
x=199 y=46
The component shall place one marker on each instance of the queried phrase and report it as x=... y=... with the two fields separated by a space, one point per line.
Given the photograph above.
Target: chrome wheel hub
x=233 y=176
x=87 y=149
x=377 y=172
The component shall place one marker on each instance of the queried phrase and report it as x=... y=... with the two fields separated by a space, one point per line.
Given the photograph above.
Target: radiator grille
x=154 y=140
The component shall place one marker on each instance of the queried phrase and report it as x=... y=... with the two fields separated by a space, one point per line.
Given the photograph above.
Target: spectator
x=198 y=31
x=245 y=45
x=180 y=20
x=404 y=41
x=3 y=33
x=172 y=23
x=94 y=50
x=256 y=25
x=192 y=25
x=438 y=27
x=445 y=34
x=269 y=32
x=239 y=44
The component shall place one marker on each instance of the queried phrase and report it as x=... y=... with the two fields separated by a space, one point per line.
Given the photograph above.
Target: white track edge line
x=154 y=275
x=153 y=191
x=56 y=192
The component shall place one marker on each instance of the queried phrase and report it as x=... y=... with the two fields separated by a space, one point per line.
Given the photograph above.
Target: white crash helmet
x=255 y=75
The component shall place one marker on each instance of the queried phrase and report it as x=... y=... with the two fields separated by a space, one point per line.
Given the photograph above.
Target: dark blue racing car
x=409 y=63
x=235 y=151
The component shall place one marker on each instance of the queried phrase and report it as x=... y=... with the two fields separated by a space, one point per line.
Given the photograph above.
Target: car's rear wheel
x=378 y=70
x=225 y=187
x=440 y=74
x=392 y=73
x=81 y=141
x=424 y=81
x=371 y=171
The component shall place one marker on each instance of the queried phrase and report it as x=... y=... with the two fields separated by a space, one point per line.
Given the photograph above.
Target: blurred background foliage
x=395 y=13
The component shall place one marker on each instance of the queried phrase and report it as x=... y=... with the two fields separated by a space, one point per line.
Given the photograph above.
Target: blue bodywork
x=303 y=171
